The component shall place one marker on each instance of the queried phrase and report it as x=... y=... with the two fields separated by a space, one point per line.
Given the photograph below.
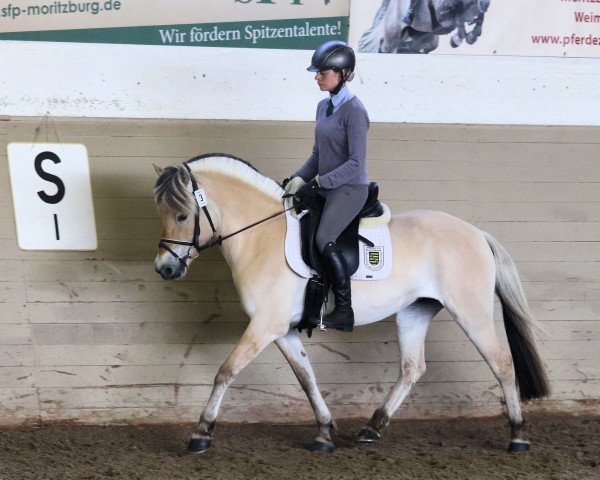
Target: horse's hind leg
x=294 y=352
x=457 y=39
x=412 y=323
x=475 y=314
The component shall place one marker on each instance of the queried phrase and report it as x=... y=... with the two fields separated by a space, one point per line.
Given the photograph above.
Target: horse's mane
x=172 y=187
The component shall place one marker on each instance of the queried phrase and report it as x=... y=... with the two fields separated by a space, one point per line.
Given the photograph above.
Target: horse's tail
x=518 y=321
x=370 y=40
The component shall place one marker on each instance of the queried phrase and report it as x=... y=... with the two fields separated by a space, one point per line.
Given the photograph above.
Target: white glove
x=294 y=185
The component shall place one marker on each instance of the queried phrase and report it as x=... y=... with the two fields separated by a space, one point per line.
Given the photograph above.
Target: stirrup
x=321 y=327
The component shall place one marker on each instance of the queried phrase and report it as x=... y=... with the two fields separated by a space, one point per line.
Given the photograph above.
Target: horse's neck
x=240 y=205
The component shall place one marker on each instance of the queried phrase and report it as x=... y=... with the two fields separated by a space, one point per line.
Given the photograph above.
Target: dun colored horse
x=438 y=261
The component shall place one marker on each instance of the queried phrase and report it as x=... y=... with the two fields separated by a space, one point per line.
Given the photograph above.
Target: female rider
x=338 y=166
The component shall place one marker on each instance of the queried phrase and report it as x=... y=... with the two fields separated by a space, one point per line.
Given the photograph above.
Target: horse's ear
x=184 y=175
x=159 y=170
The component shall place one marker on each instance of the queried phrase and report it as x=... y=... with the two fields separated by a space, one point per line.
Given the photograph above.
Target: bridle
x=194 y=246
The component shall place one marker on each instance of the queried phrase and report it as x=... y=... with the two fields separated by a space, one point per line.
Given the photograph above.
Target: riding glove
x=308 y=189
x=293 y=185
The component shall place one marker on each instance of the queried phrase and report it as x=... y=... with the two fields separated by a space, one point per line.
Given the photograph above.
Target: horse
x=438 y=261
x=389 y=33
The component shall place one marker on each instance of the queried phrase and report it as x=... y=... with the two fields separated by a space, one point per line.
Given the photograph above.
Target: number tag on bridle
x=200 y=197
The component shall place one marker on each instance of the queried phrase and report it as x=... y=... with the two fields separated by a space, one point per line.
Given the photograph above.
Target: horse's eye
x=181 y=217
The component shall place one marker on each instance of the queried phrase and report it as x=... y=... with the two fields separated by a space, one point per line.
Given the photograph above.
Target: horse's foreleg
x=412 y=323
x=294 y=352
x=255 y=339
x=474 y=34
x=457 y=39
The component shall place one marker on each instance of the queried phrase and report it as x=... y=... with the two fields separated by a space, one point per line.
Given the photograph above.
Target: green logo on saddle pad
x=374 y=258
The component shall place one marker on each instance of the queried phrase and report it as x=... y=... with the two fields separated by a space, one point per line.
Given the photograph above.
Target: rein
x=194 y=244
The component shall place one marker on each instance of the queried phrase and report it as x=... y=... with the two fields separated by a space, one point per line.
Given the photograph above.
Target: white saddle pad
x=375 y=262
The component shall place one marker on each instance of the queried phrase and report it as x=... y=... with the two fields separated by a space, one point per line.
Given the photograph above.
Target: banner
x=558 y=28
x=294 y=24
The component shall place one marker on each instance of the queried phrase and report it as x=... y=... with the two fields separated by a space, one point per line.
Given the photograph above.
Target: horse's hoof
x=455 y=42
x=199 y=445
x=322 y=447
x=519 y=446
x=368 y=435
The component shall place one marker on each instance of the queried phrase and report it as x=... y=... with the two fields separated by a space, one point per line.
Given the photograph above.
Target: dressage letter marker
x=52 y=196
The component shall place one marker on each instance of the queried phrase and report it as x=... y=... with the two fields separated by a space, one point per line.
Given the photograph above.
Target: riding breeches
x=342 y=205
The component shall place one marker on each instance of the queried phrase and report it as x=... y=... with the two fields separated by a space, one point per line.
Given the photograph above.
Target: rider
x=337 y=167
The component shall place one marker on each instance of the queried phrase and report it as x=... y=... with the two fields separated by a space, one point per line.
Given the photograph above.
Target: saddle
x=436 y=16
x=348 y=240
x=311 y=204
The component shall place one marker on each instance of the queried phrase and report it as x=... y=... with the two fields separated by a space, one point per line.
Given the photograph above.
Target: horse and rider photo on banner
x=555 y=28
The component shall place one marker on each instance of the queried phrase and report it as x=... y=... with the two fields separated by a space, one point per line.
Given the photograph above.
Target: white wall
x=87 y=80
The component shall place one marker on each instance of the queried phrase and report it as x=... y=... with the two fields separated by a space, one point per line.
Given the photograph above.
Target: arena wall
x=98 y=337
x=137 y=81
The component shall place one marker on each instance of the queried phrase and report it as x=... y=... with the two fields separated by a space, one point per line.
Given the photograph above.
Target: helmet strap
x=341 y=83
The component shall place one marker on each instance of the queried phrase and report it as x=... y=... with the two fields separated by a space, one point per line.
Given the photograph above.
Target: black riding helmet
x=333 y=55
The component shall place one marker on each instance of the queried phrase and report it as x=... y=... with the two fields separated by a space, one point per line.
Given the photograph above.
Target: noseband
x=194 y=245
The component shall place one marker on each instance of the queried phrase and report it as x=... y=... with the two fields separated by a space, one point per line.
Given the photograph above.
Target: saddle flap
x=348 y=243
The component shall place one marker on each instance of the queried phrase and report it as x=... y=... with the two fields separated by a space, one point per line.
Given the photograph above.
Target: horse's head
x=179 y=202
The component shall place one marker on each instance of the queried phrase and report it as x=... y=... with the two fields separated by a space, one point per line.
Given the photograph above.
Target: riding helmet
x=333 y=55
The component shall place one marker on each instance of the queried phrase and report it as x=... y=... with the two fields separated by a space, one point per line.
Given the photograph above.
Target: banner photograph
x=555 y=28
x=293 y=24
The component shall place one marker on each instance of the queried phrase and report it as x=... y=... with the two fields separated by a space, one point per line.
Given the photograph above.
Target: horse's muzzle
x=169 y=271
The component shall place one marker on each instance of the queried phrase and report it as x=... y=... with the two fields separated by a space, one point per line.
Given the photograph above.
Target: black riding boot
x=342 y=316
x=409 y=16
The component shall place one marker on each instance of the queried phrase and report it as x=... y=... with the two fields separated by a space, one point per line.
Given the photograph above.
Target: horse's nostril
x=167 y=272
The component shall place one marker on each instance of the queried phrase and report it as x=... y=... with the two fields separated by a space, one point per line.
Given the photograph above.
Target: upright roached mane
x=173 y=186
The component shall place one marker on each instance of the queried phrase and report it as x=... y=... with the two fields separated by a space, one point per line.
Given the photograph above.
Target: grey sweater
x=340 y=150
